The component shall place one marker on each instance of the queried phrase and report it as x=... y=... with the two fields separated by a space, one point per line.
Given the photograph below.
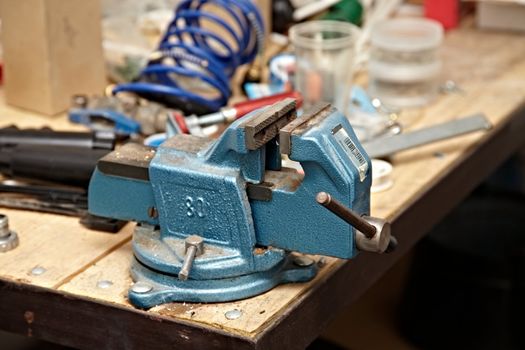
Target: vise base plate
x=153 y=288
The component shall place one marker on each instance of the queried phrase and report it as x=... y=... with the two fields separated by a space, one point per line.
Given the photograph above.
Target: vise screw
x=218 y=219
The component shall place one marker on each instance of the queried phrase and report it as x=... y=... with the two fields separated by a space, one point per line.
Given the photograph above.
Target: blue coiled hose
x=192 y=66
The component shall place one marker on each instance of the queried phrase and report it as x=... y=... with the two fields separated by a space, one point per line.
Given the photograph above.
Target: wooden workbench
x=67 y=303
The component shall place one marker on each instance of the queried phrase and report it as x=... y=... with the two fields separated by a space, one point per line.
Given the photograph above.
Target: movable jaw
x=324 y=144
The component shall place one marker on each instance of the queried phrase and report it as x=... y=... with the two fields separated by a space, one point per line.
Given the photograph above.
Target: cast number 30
x=195 y=207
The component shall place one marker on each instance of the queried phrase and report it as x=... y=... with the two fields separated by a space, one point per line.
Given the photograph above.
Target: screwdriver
x=230 y=114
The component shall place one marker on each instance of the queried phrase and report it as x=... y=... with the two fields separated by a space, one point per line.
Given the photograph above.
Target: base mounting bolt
x=141 y=288
x=233 y=314
x=303 y=261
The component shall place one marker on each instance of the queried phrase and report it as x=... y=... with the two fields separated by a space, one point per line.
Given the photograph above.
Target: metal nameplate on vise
x=350 y=148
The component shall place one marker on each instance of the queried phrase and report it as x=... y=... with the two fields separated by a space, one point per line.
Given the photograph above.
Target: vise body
x=218 y=219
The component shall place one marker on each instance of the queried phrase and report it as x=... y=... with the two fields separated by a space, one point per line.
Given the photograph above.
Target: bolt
x=303 y=261
x=141 y=288
x=439 y=154
x=4 y=226
x=104 y=284
x=233 y=314
x=194 y=246
x=80 y=101
x=8 y=238
x=38 y=270
x=450 y=86
x=8 y=243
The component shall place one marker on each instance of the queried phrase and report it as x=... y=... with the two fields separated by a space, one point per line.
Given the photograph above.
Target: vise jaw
x=217 y=219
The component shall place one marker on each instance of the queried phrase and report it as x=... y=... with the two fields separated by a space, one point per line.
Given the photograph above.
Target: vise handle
x=373 y=234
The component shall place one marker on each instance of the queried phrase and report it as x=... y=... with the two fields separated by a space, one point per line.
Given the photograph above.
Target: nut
x=9 y=242
x=8 y=238
x=379 y=242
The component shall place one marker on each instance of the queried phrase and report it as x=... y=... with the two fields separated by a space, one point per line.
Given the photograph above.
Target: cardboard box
x=52 y=49
x=503 y=14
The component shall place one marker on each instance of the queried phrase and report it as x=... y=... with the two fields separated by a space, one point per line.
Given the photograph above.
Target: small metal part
x=38 y=270
x=194 y=247
x=382 y=108
x=394 y=128
x=141 y=288
x=104 y=284
x=388 y=145
x=450 y=86
x=259 y=192
x=346 y=214
x=8 y=238
x=213 y=118
x=80 y=101
x=303 y=261
x=264 y=126
x=380 y=241
x=233 y=314
x=99 y=223
x=392 y=245
x=4 y=226
x=152 y=212
x=229 y=114
x=372 y=234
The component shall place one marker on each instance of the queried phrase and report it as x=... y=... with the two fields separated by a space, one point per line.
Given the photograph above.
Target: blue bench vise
x=221 y=220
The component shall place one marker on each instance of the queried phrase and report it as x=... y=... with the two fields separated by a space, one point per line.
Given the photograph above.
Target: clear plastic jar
x=324 y=51
x=404 y=67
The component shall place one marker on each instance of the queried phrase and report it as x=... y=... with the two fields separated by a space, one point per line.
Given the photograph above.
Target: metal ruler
x=385 y=146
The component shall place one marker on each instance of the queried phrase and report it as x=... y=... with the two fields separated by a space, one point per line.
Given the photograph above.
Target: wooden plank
x=57 y=243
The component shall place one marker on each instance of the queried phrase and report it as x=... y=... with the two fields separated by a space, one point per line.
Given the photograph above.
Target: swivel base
x=154 y=288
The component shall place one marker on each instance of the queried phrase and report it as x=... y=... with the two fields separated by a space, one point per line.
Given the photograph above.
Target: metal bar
x=388 y=145
x=346 y=214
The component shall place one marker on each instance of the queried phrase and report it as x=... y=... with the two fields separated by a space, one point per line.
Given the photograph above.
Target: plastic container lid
x=407 y=34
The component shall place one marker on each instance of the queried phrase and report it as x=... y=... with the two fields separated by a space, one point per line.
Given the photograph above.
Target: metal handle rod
x=188 y=262
x=346 y=214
